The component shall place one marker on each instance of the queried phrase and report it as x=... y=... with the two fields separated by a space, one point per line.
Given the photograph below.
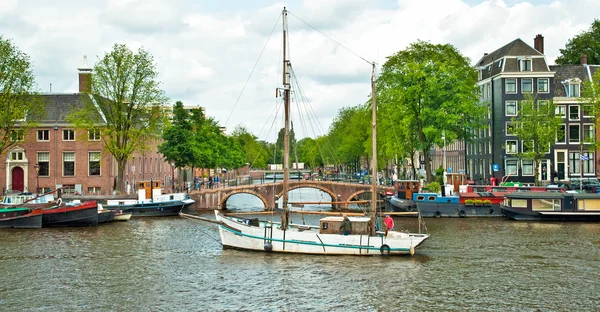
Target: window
x=43 y=135
x=94 y=163
x=68 y=135
x=43 y=159
x=527 y=167
x=511 y=128
x=525 y=64
x=573 y=133
x=573 y=112
x=94 y=135
x=94 y=190
x=511 y=166
x=588 y=111
x=574 y=162
x=572 y=89
x=560 y=111
x=500 y=63
x=527 y=85
x=511 y=108
x=589 y=134
x=68 y=164
x=588 y=163
x=545 y=204
x=511 y=147
x=511 y=85
x=16 y=156
x=561 y=135
x=68 y=189
x=542 y=85
x=17 y=135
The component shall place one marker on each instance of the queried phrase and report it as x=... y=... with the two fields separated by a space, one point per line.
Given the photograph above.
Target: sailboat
x=325 y=238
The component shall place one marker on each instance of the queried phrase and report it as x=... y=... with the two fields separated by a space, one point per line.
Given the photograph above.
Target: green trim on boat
x=2 y=210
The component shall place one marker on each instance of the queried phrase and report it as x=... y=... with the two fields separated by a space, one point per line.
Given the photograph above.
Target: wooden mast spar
x=374 y=158
x=286 y=137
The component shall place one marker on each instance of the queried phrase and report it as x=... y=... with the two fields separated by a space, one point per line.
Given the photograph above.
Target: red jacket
x=389 y=222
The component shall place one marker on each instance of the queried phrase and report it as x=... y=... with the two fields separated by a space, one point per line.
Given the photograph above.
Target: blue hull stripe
x=293 y=241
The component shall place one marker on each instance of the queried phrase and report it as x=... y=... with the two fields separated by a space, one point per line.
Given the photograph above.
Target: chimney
x=583 y=59
x=538 y=43
x=85 y=77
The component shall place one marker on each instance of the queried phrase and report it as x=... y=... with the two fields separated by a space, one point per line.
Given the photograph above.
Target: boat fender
x=491 y=211
x=59 y=201
x=268 y=246
x=384 y=249
x=409 y=208
x=412 y=250
x=438 y=214
x=462 y=214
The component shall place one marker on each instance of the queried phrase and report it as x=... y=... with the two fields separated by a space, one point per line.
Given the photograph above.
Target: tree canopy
x=18 y=97
x=586 y=42
x=433 y=88
x=128 y=96
x=536 y=126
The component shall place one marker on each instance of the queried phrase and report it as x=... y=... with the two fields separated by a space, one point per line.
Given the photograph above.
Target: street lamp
x=37 y=177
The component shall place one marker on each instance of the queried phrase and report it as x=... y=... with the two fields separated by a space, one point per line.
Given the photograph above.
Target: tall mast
x=374 y=158
x=286 y=137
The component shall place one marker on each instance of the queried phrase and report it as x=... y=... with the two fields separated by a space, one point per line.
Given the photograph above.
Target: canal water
x=174 y=264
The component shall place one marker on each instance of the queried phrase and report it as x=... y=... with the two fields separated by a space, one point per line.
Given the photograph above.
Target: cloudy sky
x=206 y=50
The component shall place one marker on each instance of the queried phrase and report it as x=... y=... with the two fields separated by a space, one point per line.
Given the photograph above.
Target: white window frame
x=564 y=141
x=17 y=135
x=507 y=167
x=547 y=80
x=41 y=160
x=523 y=83
x=74 y=164
x=570 y=87
x=527 y=167
x=506 y=86
x=94 y=135
x=559 y=108
x=578 y=112
x=514 y=144
x=506 y=128
x=523 y=61
x=71 y=135
x=591 y=133
x=510 y=103
x=43 y=131
x=99 y=154
x=578 y=133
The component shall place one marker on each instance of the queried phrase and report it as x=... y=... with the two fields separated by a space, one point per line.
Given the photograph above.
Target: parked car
x=589 y=185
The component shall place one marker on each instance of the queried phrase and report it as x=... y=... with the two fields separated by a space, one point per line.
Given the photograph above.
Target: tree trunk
x=428 y=176
x=120 y=174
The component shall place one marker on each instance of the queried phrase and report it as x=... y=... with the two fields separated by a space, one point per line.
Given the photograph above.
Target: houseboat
x=551 y=206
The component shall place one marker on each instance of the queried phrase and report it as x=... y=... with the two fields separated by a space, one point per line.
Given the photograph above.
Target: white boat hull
x=236 y=233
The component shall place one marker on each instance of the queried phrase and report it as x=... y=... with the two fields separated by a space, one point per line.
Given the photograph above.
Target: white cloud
x=205 y=50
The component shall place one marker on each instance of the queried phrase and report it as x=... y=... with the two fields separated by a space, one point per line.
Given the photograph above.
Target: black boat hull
x=62 y=218
x=106 y=216
x=23 y=222
x=527 y=215
x=151 y=209
x=438 y=210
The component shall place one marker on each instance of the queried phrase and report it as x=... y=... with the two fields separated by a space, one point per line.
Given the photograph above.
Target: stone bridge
x=268 y=193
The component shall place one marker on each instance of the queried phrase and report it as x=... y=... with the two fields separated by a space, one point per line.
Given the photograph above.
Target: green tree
x=257 y=155
x=176 y=145
x=586 y=42
x=127 y=94
x=433 y=86
x=308 y=153
x=18 y=97
x=536 y=125
x=349 y=137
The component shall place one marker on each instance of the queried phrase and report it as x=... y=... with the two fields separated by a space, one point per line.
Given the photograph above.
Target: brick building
x=54 y=154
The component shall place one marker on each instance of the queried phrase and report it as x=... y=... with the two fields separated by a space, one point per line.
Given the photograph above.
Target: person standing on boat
x=346 y=226
x=389 y=223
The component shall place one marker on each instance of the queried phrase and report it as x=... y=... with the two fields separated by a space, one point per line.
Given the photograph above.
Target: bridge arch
x=243 y=191
x=311 y=185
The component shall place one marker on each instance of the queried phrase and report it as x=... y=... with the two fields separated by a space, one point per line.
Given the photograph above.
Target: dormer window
x=572 y=87
x=525 y=64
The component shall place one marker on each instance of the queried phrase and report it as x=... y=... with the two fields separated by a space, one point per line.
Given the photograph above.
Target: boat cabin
x=456 y=180
x=151 y=188
x=405 y=188
x=435 y=198
x=331 y=225
x=552 y=206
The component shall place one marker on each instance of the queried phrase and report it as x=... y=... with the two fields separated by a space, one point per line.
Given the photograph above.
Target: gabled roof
x=567 y=72
x=58 y=106
x=516 y=47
